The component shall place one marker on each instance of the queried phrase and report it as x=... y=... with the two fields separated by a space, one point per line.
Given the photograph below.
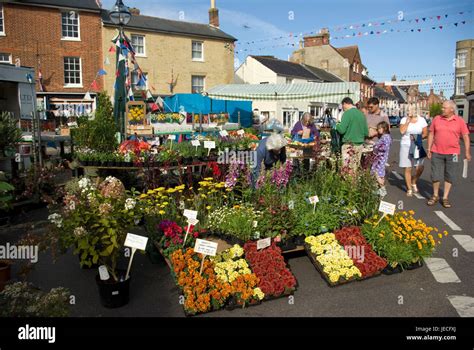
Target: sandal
x=432 y=201
x=445 y=203
x=409 y=193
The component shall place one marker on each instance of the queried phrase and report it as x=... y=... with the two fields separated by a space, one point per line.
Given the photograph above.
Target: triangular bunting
x=438 y=17
x=87 y=96
x=149 y=96
x=107 y=61
x=112 y=49
x=95 y=86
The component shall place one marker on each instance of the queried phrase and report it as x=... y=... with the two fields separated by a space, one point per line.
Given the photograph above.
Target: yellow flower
x=440 y=235
x=161 y=212
x=203 y=196
x=208 y=207
x=411 y=212
x=445 y=233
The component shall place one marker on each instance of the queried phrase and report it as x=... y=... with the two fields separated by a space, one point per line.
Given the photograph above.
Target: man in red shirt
x=444 y=150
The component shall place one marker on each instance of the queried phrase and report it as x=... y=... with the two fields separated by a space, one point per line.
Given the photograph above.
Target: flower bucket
x=114 y=294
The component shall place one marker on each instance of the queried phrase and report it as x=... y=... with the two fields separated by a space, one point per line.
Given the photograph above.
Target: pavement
x=443 y=287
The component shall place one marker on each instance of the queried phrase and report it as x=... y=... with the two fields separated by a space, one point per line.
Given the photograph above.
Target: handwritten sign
x=205 y=247
x=314 y=200
x=264 y=243
x=136 y=241
x=195 y=143
x=190 y=214
x=387 y=208
x=210 y=144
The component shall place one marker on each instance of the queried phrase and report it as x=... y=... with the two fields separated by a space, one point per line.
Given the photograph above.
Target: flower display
x=173 y=236
x=270 y=267
x=361 y=253
x=401 y=239
x=56 y=219
x=112 y=187
x=130 y=204
x=278 y=176
x=334 y=260
x=136 y=114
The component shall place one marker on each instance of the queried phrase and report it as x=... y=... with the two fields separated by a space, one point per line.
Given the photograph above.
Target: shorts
x=407 y=161
x=445 y=166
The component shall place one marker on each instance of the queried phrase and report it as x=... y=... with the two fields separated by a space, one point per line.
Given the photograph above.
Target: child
x=381 y=151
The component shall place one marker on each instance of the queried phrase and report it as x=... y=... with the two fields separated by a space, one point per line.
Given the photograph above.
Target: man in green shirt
x=354 y=129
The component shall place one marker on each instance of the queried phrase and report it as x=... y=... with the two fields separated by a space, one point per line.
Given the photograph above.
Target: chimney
x=213 y=15
x=134 y=11
x=441 y=93
x=317 y=40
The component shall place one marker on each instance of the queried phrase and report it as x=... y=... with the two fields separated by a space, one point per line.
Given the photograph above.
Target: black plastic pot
x=114 y=294
x=415 y=266
x=389 y=270
x=287 y=245
x=153 y=254
x=5 y=275
x=299 y=240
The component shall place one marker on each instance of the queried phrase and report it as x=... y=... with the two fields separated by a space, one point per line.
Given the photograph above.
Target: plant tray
x=320 y=269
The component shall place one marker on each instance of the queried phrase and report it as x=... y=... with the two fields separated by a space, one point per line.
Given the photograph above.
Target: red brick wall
x=32 y=30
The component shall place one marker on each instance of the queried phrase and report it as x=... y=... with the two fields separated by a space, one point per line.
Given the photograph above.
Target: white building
x=284 y=79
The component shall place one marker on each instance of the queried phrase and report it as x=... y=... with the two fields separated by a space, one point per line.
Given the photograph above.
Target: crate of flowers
x=331 y=259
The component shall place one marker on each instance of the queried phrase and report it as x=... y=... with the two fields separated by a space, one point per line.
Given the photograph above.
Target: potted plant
x=5 y=273
x=10 y=134
x=94 y=221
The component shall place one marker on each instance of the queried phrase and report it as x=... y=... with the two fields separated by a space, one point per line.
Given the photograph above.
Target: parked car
x=394 y=120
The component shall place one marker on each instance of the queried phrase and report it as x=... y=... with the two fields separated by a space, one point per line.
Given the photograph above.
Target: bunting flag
x=107 y=61
x=40 y=81
x=121 y=57
x=149 y=96
x=112 y=49
x=101 y=73
x=154 y=107
x=160 y=102
x=95 y=86
x=87 y=96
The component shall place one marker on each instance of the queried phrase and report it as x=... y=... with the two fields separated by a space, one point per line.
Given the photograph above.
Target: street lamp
x=120 y=15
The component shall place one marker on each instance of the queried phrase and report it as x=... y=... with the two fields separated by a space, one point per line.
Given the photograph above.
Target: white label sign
x=314 y=200
x=209 y=144
x=136 y=241
x=224 y=133
x=190 y=214
x=387 y=208
x=192 y=221
x=172 y=137
x=205 y=247
x=240 y=132
x=195 y=143
x=263 y=243
x=103 y=273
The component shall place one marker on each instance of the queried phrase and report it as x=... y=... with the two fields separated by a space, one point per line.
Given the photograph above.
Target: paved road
x=414 y=293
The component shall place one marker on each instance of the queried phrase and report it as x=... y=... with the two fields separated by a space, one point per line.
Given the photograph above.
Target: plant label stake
x=264 y=243
x=190 y=214
x=171 y=138
x=205 y=248
x=190 y=222
x=314 y=200
x=387 y=209
x=135 y=242
x=209 y=145
x=103 y=273
x=196 y=144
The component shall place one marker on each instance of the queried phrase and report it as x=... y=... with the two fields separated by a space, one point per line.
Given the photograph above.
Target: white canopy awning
x=316 y=92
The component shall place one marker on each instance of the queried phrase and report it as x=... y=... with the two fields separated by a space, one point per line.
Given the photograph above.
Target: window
x=5 y=58
x=198 y=54
x=70 y=25
x=136 y=80
x=2 y=27
x=288 y=118
x=72 y=72
x=289 y=80
x=461 y=59
x=460 y=81
x=197 y=84
x=138 y=43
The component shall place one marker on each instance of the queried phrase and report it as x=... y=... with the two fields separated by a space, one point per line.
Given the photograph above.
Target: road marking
x=397 y=175
x=441 y=270
x=466 y=241
x=419 y=196
x=463 y=305
x=448 y=221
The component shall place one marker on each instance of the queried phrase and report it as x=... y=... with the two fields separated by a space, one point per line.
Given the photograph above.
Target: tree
x=10 y=134
x=435 y=109
x=98 y=134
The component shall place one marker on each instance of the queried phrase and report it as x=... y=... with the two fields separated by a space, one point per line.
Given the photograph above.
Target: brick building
x=61 y=41
x=345 y=62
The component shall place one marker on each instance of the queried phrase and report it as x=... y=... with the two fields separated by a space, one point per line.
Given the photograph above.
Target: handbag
x=336 y=141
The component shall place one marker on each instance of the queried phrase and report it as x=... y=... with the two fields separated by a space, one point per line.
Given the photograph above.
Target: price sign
x=195 y=143
x=205 y=247
x=172 y=137
x=387 y=208
x=240 y=132
x=209 y=144
x=190 y=214
x=136 y=241
x=264 y=243
x=224 y=133
x=314 y=200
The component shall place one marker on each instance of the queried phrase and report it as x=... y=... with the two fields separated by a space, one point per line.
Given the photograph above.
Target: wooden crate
x=140 y=129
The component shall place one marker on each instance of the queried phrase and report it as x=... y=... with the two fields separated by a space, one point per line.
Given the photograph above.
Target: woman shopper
x=305 y=130
x=412 y=155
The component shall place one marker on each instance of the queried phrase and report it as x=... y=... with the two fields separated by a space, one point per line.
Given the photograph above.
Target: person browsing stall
x=305 y=129
x=269 y=152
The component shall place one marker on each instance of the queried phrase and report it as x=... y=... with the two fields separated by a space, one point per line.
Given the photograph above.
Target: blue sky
x=419 y=53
